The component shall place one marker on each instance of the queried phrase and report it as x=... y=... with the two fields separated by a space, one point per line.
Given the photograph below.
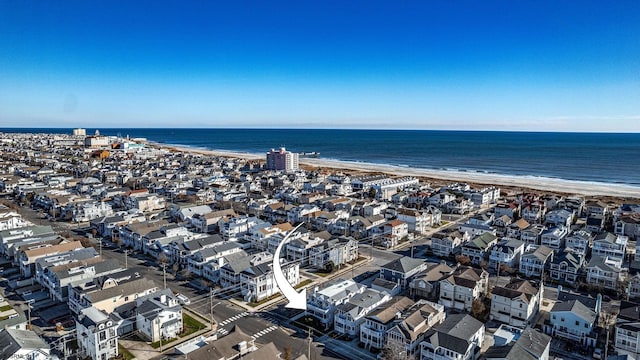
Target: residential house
x=159 y=316
x=559 y=217
x=532 y=234
x=393 y=232
x=579 y=242
x=628 y=225
x=595 y=223
x=58 y=279
x=196 y=262
x=534 y=260
x=408 y=332
x=534 y=213
x=506 y=255
x=97 y=333
x=10 y=220
x=444 y=244
x=565 y=268
x=627 y=334
x=419 y=221
x=633 y=290
x=477 y=249
x=373 y=330
x=501 y=224
x=517 y=303
x=554 y=237
x=338 y=252
x=322 y=301
x=604 y=272
x=258 y=281
x=208 y=222
x=475 y=229
x=459 y=337
x=111 y=293
x=402 y=270
x=426 y=284
x=462 y=287
x=23 y=344
x=608 y=244
x=350 y=315
x=511 y=210
x=530 y=345
x=596 y=208
x=29 y=257
x=515 y=229
x=573 y=321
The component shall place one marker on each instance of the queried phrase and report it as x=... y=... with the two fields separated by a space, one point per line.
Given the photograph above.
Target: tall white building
x=282 y=160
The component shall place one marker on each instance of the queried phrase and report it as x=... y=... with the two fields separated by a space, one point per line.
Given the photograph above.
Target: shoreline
x=552 y=185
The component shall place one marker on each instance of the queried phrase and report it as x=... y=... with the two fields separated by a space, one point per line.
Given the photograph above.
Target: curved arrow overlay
x=296 y=300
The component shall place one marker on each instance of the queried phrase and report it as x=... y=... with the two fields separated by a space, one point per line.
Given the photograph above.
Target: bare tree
x=394 y=350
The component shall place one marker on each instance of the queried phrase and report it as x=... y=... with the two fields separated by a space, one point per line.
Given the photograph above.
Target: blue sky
x=526 y=65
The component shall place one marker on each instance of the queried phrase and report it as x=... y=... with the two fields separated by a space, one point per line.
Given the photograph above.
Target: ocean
x=592 y=157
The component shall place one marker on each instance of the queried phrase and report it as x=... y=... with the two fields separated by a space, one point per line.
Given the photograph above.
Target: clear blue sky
x=524 y=65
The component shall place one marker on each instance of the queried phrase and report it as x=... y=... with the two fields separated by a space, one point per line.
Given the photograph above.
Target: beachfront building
x=282 y=160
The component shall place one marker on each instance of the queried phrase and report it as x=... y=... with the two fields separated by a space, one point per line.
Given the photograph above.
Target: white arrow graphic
x=296 y=300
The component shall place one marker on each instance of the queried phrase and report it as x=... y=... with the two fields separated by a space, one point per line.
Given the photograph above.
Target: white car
x=183 y=299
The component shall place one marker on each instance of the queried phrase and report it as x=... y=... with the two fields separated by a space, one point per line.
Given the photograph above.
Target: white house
x=506 y=253
x=516 y=303
x=608 y=244
x=159 y=316
x=461 y=288
x=350 y=315
x=554 y=237
x=627 y=334
x=604 y=272
x=97 y=333
x=445 y=244
x=534 y=260
x=408 y=332
x=322 y=302
x=258 y=282
x=22 y=344
x=579 y=242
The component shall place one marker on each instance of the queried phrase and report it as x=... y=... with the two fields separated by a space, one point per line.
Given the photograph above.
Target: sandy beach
x=549 y=185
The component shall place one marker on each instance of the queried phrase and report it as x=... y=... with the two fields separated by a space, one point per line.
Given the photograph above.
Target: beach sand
x=610 y=192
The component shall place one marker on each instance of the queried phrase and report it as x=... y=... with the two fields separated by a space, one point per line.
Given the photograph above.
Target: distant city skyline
x=495 y=65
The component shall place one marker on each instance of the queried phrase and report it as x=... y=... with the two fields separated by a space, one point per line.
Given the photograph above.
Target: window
x=577 y=323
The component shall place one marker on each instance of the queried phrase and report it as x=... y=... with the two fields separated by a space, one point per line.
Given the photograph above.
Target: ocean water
x=593 y=157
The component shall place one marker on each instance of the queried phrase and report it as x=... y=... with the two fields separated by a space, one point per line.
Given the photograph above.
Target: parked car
x=183 y=299
x=597 y=353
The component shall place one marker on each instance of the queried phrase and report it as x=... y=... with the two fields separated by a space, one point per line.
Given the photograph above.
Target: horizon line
x=328 y=128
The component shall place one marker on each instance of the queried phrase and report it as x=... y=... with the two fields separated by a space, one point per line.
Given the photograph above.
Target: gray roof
x=531 y=345
x=237 y=262
x=454 y=333
x=576 y=307
x=123 y=289
x=404 y=264
x=12 y=340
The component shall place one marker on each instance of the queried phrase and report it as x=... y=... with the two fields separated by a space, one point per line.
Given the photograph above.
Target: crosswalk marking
x=263 y=332
x=234 y=318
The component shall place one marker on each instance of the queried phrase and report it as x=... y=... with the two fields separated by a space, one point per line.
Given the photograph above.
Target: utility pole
x=164 y=274
x=126 y=252
x=100 y=247
x=28 y=316
x=309 y=345
x=211 y=306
